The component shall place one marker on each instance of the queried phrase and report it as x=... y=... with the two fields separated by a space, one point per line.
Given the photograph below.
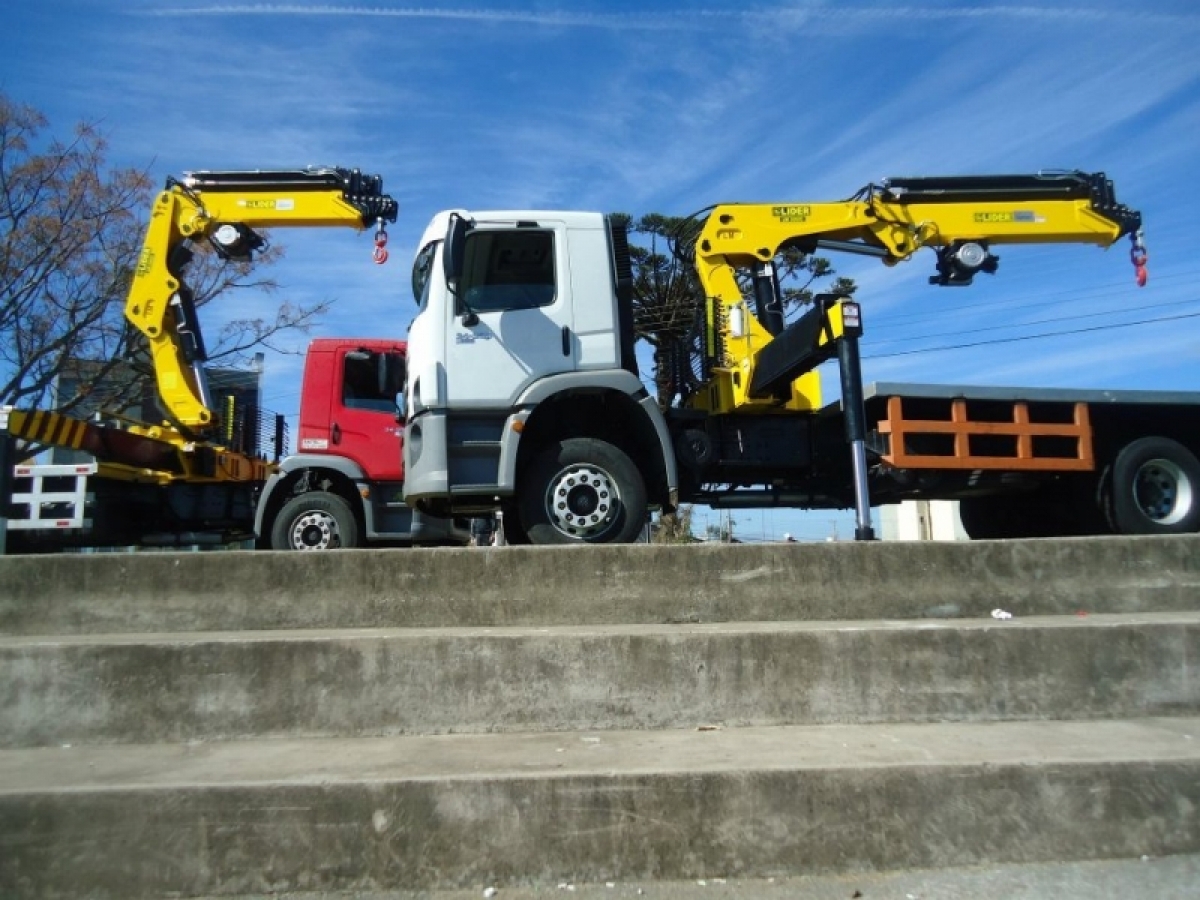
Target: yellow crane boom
x=960 y=218
x=224 y=208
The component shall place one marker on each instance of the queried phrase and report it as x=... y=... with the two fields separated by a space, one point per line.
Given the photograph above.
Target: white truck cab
x=521 y=367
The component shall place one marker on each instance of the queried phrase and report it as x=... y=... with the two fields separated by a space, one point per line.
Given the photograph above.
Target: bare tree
x=71 y=229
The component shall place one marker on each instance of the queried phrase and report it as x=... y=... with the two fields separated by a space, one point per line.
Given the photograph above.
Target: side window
x=420 y=274
x=505 y=270
x=360 y=384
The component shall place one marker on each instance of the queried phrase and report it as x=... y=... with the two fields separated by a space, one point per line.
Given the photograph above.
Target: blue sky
x=670 y=107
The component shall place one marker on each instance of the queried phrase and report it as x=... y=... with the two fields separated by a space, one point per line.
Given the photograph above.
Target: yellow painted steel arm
x=224 y=208
x=959 y=217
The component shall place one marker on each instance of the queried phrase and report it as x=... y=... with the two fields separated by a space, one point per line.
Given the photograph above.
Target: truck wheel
x=1154 y=488
x=1052 y=510
x=583 y=490
x=514 y=534
x=998 y=517
x=315 y=521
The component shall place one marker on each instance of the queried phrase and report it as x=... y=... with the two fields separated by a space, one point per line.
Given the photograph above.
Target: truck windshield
x=422 y=266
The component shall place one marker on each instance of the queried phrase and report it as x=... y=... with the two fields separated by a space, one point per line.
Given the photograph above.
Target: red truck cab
x=348 y=404
x=344 y=485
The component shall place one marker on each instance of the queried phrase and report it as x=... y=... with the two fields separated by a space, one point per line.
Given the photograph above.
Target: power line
x=1091 y=315
x=1030 y=337
x=1002 y=305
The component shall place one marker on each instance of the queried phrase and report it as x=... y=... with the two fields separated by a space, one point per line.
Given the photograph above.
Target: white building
x=921 y=520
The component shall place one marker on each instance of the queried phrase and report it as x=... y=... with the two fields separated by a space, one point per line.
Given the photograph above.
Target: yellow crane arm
x=959 y=217
x=224 y=208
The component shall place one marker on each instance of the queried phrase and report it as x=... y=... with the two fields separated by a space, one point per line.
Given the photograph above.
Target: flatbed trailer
x=1023 y=462
x=1028 y=462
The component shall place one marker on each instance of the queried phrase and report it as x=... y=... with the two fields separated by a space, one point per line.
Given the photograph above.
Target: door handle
x=566 y=341
x=335 y=433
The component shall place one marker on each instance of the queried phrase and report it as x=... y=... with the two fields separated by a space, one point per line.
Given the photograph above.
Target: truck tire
x=316 y=520
x=582 y=491
x=1154 y=488
x=1051 y=510
x=1000 y=517
x=514 y=533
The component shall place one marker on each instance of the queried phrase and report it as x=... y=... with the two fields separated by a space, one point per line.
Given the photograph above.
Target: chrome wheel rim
x=1162 y=491
x=316 y=531
x=582 y=501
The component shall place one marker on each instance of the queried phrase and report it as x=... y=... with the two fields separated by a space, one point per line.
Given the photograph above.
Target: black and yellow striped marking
x=45 y=427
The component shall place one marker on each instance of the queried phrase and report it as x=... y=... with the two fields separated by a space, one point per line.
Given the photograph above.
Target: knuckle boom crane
x=524 y=390
x=959 y=218
x=224 y=209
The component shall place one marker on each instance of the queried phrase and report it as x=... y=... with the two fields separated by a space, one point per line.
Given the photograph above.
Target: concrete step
x=472 y=811
x=342 y=683
x=532 y=586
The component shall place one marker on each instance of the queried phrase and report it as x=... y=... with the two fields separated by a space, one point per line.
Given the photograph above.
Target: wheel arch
x=611 y=415
x=1117 y=425
x=333 y=474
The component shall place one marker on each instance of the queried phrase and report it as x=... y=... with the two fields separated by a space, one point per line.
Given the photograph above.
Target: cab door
x=511 y=317
x=364 y=422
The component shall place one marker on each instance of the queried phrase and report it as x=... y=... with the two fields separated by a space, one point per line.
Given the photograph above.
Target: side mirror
x=453 y=249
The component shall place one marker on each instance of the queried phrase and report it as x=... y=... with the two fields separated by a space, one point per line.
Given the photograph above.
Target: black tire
x=316 y=520
x=1000 y=517
x=1154 y=488
x=582 y=491
x=514 y=533
x=1068 y=508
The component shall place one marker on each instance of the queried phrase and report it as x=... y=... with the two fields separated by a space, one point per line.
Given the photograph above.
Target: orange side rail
x=1025 y=457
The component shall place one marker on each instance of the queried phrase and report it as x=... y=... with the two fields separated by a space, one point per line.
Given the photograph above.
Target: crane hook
x=1138 y=256
x=380 y=255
